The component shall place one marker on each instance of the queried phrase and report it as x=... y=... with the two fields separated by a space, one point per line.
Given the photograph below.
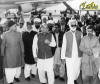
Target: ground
x=33 y=80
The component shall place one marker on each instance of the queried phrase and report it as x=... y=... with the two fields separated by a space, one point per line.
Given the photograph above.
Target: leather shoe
x=17 y=79
x=28 y=79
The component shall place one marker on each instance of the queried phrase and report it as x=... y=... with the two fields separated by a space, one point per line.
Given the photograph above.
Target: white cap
x=50 y=22
x=37 y=20
x=56 y=21
x=44 y=17
x=72 y=21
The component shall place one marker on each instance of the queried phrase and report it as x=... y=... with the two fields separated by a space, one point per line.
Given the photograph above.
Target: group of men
x=46 y=47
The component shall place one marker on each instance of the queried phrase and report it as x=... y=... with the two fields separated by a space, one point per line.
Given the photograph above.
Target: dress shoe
x=43 y=83
x=28 y=79
x=17 y=79
x=10 y=83
x=75 y=82
x=62 y=79
x=56 y=77
x=32 y=75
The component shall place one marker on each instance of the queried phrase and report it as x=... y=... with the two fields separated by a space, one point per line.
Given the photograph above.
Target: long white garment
x=30 y=69
x=10 y=73
x=46 y=65
x=73 y=63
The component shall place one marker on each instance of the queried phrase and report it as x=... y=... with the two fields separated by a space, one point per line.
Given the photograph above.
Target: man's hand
x=63 y=61
x=47 y=41
x=89 y=52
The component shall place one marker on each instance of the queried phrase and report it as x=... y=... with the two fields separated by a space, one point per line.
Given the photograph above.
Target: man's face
x=21 y=25
x=56 y=29
x=73 y=26
x=62 y=22
x=89 y=31
x=37 y=25
x=29 y=26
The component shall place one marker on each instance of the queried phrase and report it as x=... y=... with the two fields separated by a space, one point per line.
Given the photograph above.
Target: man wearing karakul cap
x=71 y=53
x=12 y=49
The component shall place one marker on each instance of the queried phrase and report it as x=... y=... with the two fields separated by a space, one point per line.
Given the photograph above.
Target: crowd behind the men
x=27 y=31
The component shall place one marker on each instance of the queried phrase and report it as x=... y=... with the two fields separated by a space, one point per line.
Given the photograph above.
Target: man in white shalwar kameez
x=42 y=53
x=71 y=53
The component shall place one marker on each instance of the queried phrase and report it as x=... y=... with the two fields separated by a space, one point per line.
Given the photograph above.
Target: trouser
x=73 y=69
x=10 y=73
x=79 y=79
x=30 y=69
x=88 y=80
x=46 y=65
x=91 y=80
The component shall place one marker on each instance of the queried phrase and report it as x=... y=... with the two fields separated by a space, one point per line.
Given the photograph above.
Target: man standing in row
x=90 y=47
x=30 y=64
x=12 y=49
x=71 y=53
x=42 y=52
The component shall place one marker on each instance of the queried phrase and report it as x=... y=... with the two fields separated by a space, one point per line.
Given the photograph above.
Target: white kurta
x=73 y=63
x=44 y=65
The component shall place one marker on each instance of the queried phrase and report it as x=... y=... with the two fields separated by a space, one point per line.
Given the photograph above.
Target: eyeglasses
x=73 y=25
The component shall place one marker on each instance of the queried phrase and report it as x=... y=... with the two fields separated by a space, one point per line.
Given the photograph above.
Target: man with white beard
x=70 y=52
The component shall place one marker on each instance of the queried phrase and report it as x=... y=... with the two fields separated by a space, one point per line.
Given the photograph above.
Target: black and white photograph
x=49 y=41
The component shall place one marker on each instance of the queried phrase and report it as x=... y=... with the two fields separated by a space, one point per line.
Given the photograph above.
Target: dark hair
x=90 y=27
x=11 y=23
x=29 y=23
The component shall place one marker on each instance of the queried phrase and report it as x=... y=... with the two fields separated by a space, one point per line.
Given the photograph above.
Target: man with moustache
x=70 y=52
x=30 y=69
x=42 y=53
x=36 y=26
x=90 y=47
x=12 y=49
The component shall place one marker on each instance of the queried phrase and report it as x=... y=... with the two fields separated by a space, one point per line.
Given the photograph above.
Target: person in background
x=58 y=65
x=21 y=28
x=12 y=49
x=50 y=17
x=50 y=25
x=44 y=20
x=30 y=69
x=70 y=53
x=16 y=20
x=37 y=23
x=60 y=39
x=90 y=47
x=42 y=53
